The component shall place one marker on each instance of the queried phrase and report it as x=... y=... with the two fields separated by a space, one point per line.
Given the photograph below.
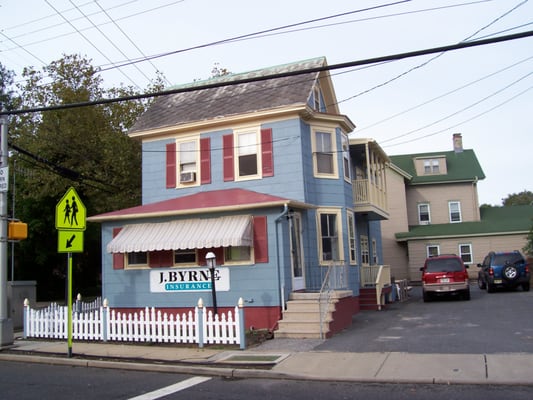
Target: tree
x=6 y=93
x=84 y=147
x=516 y=199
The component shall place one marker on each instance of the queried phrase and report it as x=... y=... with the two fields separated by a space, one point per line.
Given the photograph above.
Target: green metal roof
x=461 y=167
x=494 y=221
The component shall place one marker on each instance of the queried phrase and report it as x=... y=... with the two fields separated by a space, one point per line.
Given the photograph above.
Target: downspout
x=280 y=286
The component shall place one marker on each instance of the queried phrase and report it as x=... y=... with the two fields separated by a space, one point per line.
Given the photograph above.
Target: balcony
x=370 y=186
x=370 y=199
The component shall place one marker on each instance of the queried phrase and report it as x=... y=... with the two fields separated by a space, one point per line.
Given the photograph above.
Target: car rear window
x=513 y=258
x=446 y=265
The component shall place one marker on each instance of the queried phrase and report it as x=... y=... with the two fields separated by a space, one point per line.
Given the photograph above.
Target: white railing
x=150 y=325
x=336 y=278
x=383 y=279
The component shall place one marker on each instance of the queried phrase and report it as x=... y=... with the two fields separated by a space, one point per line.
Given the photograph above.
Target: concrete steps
x=301 y=319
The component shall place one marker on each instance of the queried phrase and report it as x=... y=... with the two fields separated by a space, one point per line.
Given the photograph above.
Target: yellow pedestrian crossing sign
x=70 y=212
x=69 y=241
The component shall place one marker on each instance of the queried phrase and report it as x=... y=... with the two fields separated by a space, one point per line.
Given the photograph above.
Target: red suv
x=445 y=274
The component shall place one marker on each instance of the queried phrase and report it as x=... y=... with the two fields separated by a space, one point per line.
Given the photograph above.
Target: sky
x=409 y=106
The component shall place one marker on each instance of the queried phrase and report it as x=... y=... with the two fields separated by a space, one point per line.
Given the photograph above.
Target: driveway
x=500 y=322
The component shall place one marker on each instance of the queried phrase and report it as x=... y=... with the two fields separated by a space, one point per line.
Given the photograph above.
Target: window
x=432 y=250
x=423 y=214
x=374 y=252
x=431 y=167
x=330 y=249
x=137 y=259
x=352 y=239
x=187 y=161
x=186 y=257
x=324 y=153
x=465 y=252
x=346 y=157
x=455 y=211
x=247 y=154
x=236 y=254
x=365 y=251
x=316 y=98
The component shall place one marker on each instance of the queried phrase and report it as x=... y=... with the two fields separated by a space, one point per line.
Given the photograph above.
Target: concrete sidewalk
x=283 y=359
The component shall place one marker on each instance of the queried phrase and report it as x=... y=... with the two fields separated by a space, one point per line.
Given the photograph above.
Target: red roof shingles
x=195 y=202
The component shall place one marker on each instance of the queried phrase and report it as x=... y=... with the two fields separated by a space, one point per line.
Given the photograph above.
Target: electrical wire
x=90 y=42
x=217 y=84
x=447 y=129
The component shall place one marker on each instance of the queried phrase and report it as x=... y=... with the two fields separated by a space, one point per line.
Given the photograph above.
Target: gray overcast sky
x=409 y=106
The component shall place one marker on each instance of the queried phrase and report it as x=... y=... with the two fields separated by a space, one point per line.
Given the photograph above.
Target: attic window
x=316 y=98
x=431 y=166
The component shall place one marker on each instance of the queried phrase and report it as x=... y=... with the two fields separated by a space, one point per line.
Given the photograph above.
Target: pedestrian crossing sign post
x=70 y=212
x=70 y=224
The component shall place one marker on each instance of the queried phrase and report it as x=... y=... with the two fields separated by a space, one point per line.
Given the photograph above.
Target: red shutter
x=171 y=166
x=227 y=144
x=118 y=258
x=267 y=154
x=205 y=160
x=260 y=239
x=164 y=258
x=219 y=256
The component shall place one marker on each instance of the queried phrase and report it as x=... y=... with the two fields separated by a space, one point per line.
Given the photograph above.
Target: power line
x=192 y=88
x=115 y=23
x=108 y=39
x=461 y=110
x=432 y=58
x=464 y=121
x=87 y=39
x=257 y=34
x=444 y=95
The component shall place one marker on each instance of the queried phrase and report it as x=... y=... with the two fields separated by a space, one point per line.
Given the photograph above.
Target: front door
x=297 y=256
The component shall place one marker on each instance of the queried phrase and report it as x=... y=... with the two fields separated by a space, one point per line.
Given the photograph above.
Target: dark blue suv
x=503 y=269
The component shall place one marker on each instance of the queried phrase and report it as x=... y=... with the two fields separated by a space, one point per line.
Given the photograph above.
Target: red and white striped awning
x=194 y=233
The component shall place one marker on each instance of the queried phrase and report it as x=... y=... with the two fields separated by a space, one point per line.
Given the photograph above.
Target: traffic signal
x=17 y=230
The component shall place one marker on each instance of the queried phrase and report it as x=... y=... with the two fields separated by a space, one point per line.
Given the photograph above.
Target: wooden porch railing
x=377 y=276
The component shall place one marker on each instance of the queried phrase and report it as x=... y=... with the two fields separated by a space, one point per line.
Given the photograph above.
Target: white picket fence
x=149 y=325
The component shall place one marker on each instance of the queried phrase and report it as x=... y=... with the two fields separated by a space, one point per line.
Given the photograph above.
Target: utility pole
x=6 y=324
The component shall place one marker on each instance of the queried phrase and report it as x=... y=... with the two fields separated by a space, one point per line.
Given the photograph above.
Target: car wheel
x=490 y=288
x=525 y=287
x=509 y=272
x=426 y=297
x=466 y=294
x=481 y=284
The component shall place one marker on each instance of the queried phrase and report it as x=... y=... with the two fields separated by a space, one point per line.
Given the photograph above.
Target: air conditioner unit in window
x=187 y=177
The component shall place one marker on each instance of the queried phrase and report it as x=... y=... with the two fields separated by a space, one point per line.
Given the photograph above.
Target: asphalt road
x=20 y=381
x=489 y=323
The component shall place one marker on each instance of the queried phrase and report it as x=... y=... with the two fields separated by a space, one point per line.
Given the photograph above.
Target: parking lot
x=498 y=322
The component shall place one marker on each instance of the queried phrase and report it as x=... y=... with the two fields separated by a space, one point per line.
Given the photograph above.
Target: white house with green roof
x=434 y=209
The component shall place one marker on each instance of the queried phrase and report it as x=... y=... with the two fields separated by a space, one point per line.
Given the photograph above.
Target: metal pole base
x=6 y=332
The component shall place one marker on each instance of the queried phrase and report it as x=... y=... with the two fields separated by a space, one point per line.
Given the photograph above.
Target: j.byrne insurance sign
x=188 y=280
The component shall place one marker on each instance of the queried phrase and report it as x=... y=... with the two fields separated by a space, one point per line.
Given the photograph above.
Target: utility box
x=17 y=292
x=17 y=230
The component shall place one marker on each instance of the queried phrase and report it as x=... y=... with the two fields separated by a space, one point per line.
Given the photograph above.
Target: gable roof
x=494 y=221
x=461 y=167
x=228 y=100
x=201 y=202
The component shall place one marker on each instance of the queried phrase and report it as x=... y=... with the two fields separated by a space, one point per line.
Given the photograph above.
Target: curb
x=237 y=373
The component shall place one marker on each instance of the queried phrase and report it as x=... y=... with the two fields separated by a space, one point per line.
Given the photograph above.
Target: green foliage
x=517 y=199
x=84 y=147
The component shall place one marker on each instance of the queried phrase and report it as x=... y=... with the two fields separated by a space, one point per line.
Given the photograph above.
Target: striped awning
x=184 y=234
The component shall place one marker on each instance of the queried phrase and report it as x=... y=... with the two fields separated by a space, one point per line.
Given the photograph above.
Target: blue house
x=261 y=173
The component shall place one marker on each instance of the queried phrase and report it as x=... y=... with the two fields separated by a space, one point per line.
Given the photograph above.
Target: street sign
x=4 y=179
x=70 y=212
x=69 y=241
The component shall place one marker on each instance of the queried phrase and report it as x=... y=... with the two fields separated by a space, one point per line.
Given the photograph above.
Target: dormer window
x=431 y=166
x=316 y=98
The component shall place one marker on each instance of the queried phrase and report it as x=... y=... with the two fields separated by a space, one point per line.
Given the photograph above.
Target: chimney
x=457 y=142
